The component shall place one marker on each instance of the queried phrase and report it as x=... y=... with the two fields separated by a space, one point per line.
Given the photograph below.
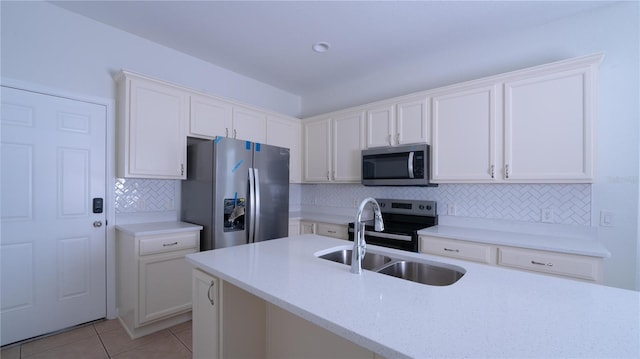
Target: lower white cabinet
x=574 y=266
x=205 y=315
x=562 y=264
x=154 y=278
x=339 y=231
x=478 y=252
x=229 y=322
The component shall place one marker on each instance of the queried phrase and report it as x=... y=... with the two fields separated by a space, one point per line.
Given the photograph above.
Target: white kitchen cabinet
x=210 y=117
x=575 y=266
x=548 y=126
x=332 y=148
x=399 y=123
x=307 y=227
x=294 y=227
x=528 y=126
x=465 y=136
x=339 y=231
x=249 y=125
x=151 y=128
x=287 y=132
x=478 y=252
x=205 y=331
x=560 y=264
x=153 y=277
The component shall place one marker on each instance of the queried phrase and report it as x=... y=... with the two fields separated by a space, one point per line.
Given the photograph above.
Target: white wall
x=614 y=30
x=50 y=46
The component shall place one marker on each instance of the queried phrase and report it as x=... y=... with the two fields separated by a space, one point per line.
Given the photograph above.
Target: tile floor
x=106 y=339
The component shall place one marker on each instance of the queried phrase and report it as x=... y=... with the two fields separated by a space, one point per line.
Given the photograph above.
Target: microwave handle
x=410 y=164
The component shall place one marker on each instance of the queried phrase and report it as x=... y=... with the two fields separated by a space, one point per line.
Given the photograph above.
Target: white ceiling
x=271 y=41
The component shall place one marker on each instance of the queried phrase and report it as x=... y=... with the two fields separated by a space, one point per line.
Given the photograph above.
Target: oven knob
x=382 y=205
x=428 y=208
x=421 y=206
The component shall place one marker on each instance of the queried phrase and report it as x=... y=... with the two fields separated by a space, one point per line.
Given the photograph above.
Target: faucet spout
x=359 y=245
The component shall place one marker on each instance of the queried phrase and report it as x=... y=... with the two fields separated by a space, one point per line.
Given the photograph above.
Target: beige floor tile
x=186 y=338
x=107 y=325
x=57 y=340
x=117 y=341
x=90 y=348
x=158 y=348
x=12 y=352
x=180 y=327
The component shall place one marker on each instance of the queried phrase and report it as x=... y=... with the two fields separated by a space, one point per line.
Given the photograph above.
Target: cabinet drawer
x=570 y=265
x=458 y=249
x=332 y=230
x=169 y=242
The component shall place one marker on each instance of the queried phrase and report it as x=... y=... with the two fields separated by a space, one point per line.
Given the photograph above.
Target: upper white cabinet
x=464 y=144
x=287 y=132
x=399 y=123
x=332 y=147
x=151 y=128
x=250 y=125
x=533 y=126
x=210 y=117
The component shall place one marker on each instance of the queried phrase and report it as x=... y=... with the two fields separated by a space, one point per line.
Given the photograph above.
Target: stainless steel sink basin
x=422 y=273
x=371 y=260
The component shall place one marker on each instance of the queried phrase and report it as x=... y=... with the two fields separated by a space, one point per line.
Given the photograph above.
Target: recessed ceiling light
x=320 y=47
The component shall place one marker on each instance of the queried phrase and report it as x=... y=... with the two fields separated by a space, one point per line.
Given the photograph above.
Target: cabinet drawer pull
x=169 y=244
x=332 y=231
x=542 y=264
x=451 y=250
x=209 y=293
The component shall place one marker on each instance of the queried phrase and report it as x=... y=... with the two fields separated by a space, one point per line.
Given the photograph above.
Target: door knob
x=97 y=224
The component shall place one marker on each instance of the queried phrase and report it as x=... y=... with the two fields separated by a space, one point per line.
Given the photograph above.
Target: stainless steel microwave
x=396 y=166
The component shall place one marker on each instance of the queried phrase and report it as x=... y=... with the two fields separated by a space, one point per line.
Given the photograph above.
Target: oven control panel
x=410 y=207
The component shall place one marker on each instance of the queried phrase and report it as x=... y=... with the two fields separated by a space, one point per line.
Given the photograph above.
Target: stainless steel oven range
x=402 y=221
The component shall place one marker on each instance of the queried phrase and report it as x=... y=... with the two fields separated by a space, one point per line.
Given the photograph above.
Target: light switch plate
x=606 y=218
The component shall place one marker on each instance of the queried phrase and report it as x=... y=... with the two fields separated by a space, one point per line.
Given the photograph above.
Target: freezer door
x=272 y=168
x=232 y=160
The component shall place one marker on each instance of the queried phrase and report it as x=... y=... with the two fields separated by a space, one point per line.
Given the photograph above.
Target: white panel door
x=381 y=127
x=348 y=142
x=317 y=151
x=53 y=256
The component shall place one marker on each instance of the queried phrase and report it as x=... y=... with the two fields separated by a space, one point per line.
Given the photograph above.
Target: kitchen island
x=489 y=312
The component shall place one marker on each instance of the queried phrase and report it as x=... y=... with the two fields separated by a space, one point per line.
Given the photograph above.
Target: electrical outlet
x=606 y=218
x=451 y=209
x=546 y=215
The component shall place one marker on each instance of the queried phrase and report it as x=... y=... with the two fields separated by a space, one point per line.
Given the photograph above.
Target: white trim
x=110 y=104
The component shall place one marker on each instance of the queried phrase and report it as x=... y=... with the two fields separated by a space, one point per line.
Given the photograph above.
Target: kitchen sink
x=422 y=273
x=371 y=260
x=418 y=272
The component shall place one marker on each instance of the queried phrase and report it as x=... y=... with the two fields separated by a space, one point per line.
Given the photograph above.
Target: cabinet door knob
x=97 y=224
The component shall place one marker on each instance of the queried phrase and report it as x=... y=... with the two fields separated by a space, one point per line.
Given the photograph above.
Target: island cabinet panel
x=575 y=266
x=290 y=336
x=151 y=128
x=229 y=322
x=478 y=252
x=205 y=315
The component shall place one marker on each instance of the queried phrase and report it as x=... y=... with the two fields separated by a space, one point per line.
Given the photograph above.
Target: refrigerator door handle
x=252 y=207
x=256 y=202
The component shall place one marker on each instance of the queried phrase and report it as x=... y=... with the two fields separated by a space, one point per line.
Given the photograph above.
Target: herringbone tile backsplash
x=570 y=203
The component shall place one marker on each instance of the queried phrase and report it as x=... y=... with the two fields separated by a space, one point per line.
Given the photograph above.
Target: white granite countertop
x=551 y=241
x=490 y=312
x=152 y=228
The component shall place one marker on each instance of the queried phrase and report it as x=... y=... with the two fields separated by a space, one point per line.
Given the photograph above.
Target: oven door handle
x=399 y=237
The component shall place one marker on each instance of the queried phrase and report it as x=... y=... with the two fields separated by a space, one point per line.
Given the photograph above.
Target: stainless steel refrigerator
x=237 y=190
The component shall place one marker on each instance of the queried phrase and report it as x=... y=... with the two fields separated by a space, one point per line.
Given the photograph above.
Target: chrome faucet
x=359 y=245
